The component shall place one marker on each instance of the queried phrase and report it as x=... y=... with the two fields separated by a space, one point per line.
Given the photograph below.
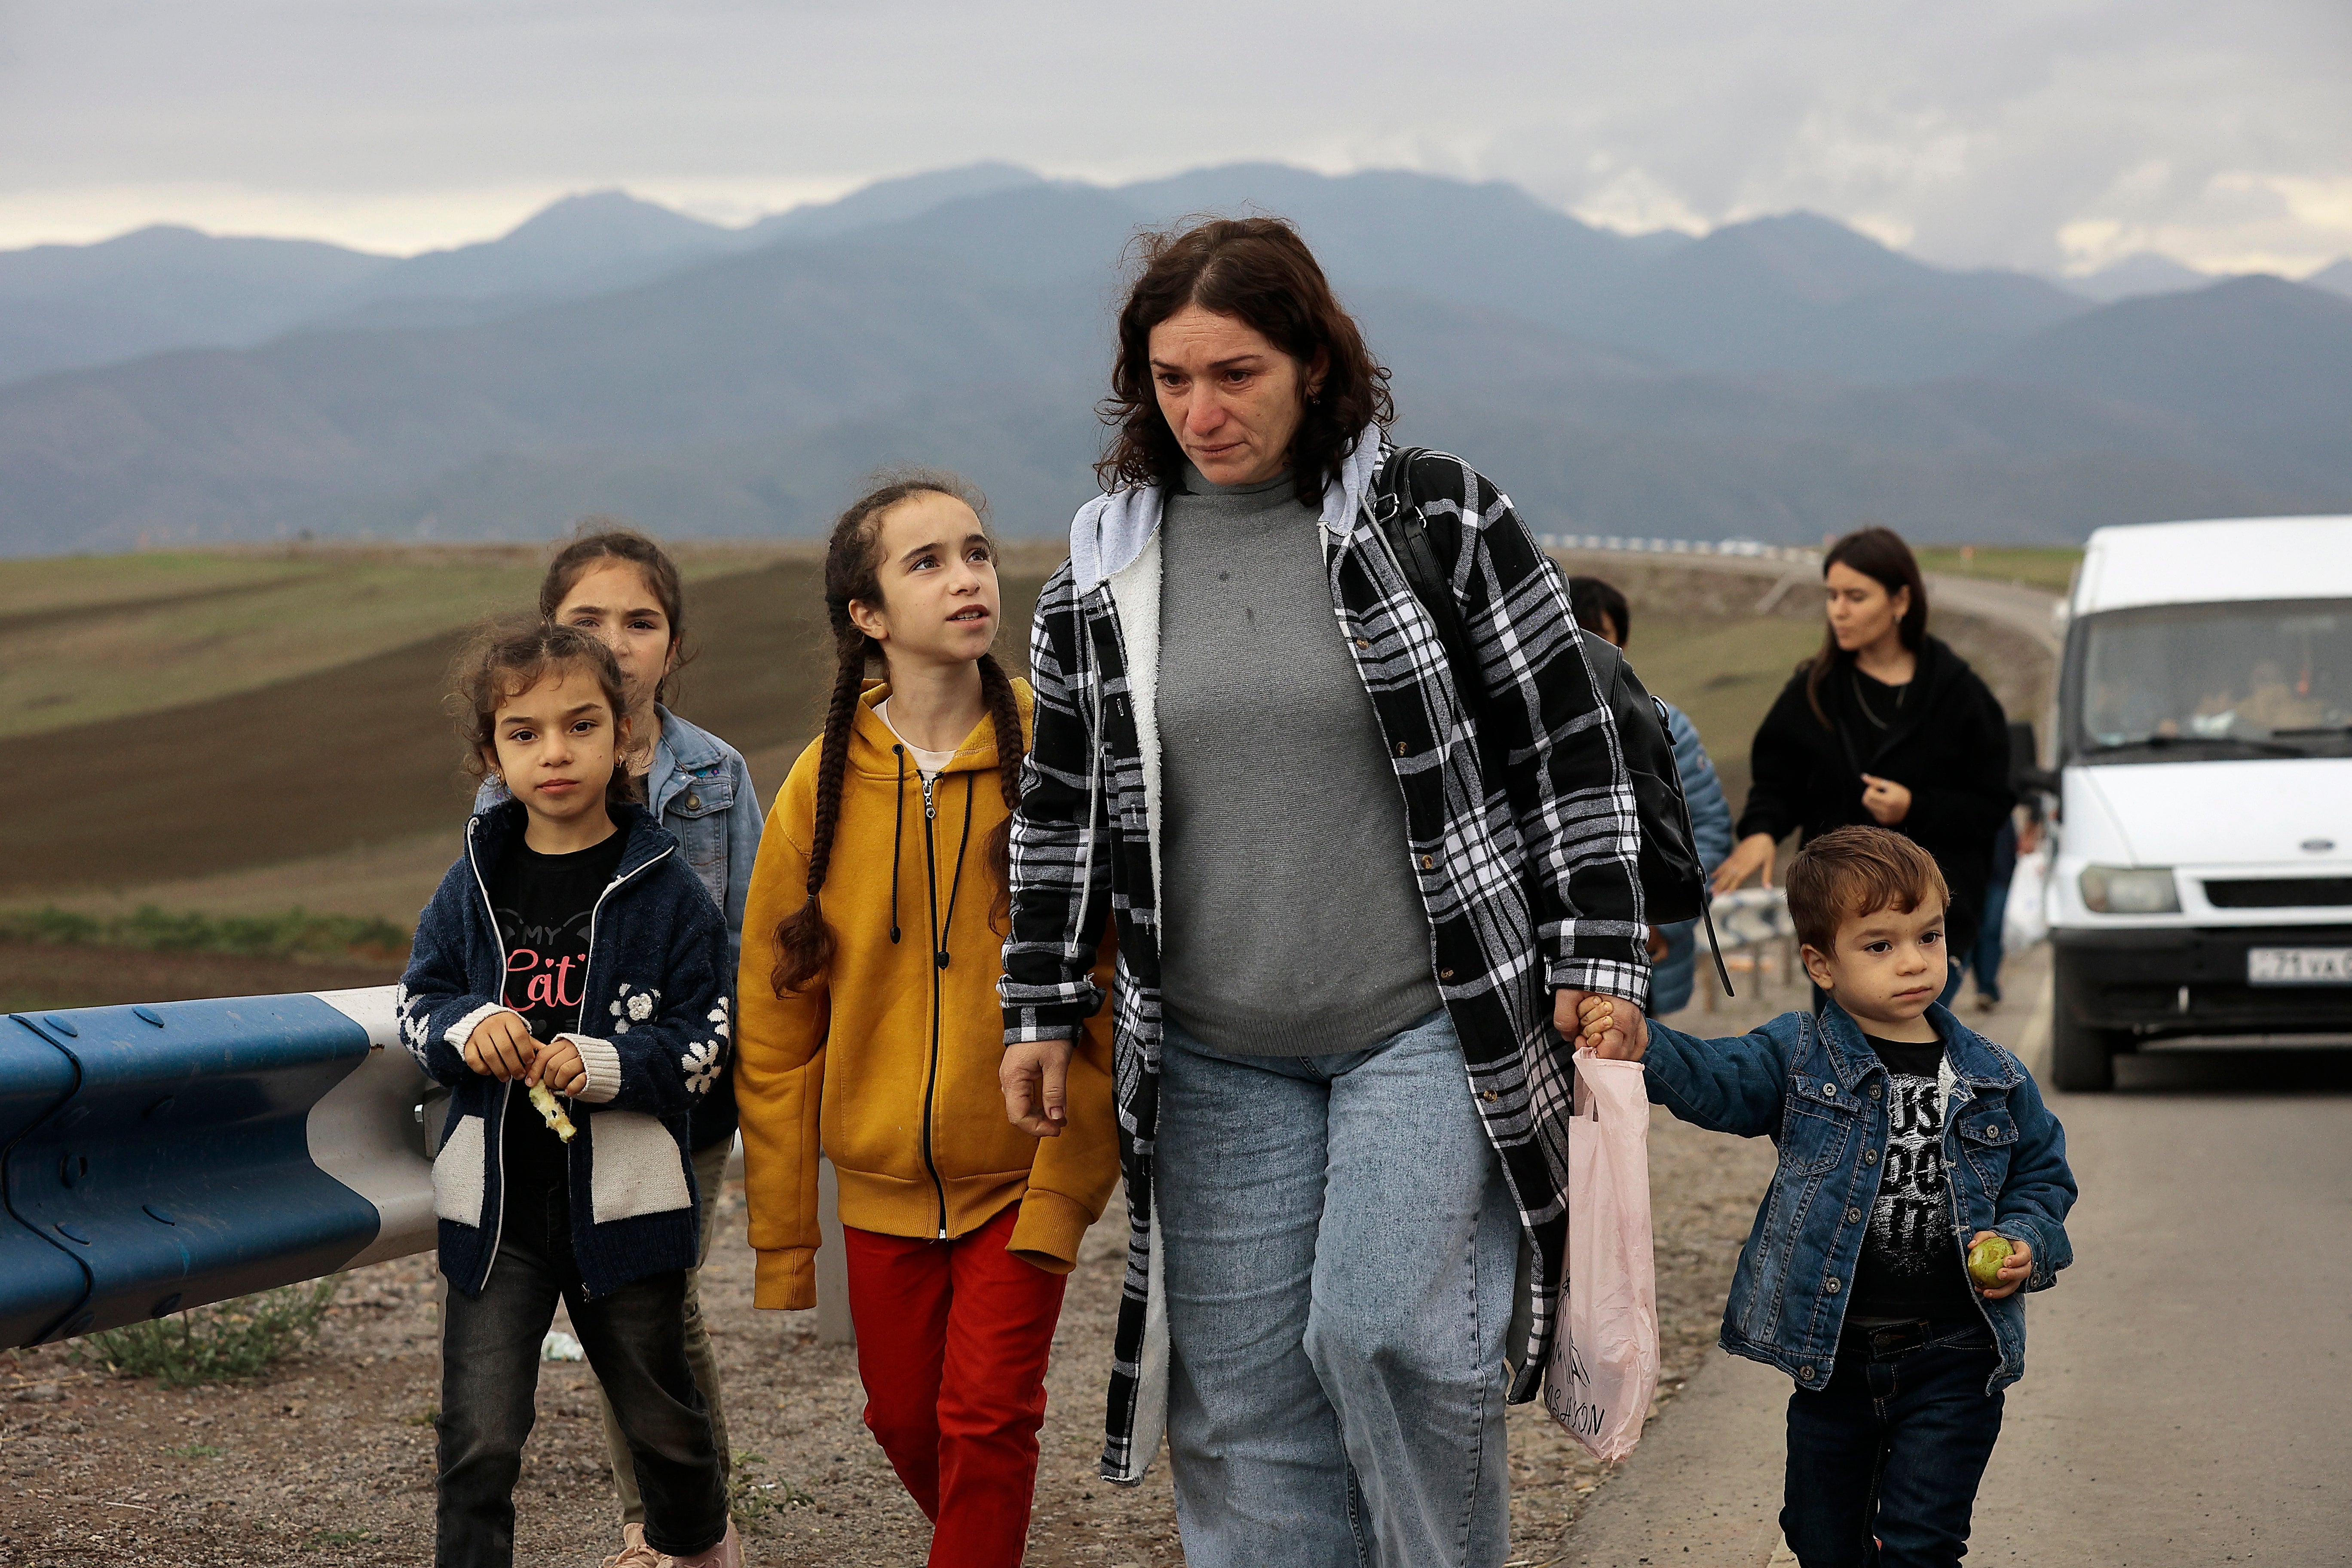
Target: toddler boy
x=1905 y=1139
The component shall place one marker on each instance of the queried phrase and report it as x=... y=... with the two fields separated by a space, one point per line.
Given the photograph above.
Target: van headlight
x=2130 y=889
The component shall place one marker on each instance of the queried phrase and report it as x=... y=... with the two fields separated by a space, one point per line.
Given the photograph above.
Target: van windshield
x=2188 y=682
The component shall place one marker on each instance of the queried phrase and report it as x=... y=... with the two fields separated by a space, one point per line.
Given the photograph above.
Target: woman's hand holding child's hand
x=2013 y=1272
x=1613 y=1028
x=501 y=1048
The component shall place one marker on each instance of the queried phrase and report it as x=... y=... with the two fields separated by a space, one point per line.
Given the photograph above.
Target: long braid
x=803 y=942
x=1005 y=715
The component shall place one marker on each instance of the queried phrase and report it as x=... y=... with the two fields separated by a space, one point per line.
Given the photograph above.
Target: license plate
x=2299 y=966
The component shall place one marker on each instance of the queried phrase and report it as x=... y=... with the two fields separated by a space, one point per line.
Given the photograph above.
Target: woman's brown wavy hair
x=853 y=562
x=1259 y=271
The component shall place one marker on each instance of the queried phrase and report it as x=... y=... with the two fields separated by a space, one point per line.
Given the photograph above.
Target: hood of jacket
x=873 y=745
x=1110 y=530
x=495 y=828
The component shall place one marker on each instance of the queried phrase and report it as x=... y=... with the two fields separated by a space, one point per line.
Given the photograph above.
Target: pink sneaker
x=728 y=1553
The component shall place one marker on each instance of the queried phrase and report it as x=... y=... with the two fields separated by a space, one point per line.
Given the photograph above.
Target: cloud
x=2023 y=132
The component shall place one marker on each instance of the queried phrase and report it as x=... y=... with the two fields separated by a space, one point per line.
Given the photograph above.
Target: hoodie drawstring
x=898 y=834
x=955 y=883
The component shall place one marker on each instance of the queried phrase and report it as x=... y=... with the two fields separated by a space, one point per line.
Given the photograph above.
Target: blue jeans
x=1674 y=977
x=1986 y=961
x=1340 y=1253
x=1883 y=1463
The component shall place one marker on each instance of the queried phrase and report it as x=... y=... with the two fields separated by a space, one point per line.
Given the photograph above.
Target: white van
x=2202 y=878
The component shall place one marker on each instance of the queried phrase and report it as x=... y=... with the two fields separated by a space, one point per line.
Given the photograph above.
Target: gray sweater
x=1292 y=923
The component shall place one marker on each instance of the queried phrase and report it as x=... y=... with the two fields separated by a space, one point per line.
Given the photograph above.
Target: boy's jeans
x=635 y=1340
x=1892 y=1449
x=1340 y=1256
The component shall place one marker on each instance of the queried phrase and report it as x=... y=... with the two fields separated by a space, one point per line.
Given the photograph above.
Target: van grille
x=2279 y=892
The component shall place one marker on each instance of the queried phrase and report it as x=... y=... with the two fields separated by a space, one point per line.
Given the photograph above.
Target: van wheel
x=2082 y=1057
x=2082 y=1060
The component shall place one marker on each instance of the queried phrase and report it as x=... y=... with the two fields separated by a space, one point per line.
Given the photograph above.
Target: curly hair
x=503 y=660
x=1256 y=270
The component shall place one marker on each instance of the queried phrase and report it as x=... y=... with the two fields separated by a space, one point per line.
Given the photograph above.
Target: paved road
x=2188 y=1382
x=2188 y=1396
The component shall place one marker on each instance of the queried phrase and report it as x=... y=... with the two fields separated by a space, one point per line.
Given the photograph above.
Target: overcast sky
x=2039 y=133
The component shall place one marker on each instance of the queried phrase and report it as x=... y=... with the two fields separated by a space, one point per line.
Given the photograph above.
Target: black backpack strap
x=1396 y=512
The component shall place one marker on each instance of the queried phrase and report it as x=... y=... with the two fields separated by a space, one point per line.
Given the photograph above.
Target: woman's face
x=937 y=575
x=1230 y=397
x=1862 y=611
x=614 y=600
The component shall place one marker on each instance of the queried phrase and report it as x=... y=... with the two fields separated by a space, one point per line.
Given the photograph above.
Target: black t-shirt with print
x=545 y=904
x=1910 y=1264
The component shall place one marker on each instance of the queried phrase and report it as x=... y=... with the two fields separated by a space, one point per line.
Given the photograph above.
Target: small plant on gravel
x=231 y=1339
x=753 y=1501
x=326 y=1538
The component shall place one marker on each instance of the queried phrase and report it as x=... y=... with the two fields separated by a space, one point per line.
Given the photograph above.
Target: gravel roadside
x=328 y=1458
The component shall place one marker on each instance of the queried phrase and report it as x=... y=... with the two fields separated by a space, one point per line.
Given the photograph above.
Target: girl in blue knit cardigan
x=569 y=952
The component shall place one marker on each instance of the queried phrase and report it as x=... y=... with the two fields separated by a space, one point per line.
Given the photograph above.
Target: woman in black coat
x=1885 y=725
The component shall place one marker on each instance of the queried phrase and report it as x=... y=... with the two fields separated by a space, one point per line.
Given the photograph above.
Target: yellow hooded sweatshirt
x=888 y=1060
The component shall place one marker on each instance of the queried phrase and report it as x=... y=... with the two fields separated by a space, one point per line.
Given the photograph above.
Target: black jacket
x=654 y=994
x=1948 y=745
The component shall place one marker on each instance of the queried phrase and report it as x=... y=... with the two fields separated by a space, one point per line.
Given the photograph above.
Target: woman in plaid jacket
x=1342 y=951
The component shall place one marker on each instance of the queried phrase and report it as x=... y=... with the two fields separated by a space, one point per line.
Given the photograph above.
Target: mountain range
x=1776 y=379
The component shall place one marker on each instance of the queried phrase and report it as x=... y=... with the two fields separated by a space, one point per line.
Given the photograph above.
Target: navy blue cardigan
x=652 y=1034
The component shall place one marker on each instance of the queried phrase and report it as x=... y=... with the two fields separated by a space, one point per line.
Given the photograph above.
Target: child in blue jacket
x=569 y=950
x=1905 y=1139
x=1600 y=607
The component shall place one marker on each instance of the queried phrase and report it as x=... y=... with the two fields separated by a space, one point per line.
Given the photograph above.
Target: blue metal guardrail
x=165 y=1156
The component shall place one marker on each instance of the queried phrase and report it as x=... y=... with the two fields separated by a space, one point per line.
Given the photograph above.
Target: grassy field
x=90 y=638
x=302 y=758
x=2036 y=566
x=357 y=752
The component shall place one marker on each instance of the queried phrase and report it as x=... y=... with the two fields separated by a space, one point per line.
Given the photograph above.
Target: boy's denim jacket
x=701 y=789
x=1815 y=1088
x=653 y=1035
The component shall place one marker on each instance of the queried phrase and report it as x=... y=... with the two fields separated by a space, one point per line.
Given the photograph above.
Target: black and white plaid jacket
x=1530 y=880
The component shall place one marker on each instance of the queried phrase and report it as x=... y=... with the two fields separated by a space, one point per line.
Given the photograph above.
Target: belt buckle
x=1895 y=1339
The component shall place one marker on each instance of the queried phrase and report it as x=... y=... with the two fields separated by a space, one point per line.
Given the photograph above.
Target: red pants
x=953 y=1338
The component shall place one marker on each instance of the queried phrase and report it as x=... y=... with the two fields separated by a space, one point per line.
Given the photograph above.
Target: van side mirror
x=2026 y=773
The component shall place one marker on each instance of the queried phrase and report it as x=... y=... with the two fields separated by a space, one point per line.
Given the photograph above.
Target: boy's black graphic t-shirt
x=1911 y=1266
x=545 y=904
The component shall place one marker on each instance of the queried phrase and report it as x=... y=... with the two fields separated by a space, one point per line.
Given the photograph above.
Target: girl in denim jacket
x=1905 y=1140
x=624 y=587
x=569 y=952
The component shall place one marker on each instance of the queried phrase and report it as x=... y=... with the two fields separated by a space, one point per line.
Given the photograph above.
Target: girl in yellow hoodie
x=869 y=1028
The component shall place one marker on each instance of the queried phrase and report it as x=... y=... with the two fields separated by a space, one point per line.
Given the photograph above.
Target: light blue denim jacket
x=1673 y=977
x=700 y=790
x=1813 y=1085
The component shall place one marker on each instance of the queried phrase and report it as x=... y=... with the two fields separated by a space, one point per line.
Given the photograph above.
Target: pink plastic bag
x=1604 y=1366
